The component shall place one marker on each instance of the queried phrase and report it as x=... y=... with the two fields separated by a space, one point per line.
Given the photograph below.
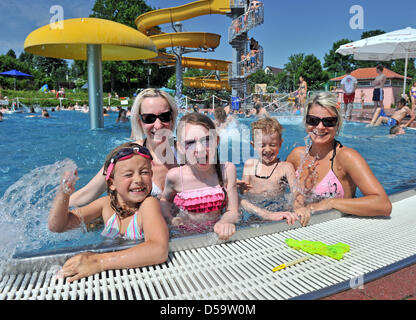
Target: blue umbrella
x=15 y=74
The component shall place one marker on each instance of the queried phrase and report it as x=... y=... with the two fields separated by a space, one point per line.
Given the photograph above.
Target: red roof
x=370 y=73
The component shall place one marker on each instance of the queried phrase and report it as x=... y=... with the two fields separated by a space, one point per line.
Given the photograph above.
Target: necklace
x=265 y=177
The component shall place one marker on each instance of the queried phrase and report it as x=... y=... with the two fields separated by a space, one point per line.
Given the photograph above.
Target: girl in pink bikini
x=328 y=172
x=203 y=189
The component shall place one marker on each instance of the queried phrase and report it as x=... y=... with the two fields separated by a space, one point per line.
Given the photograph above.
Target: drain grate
x=242 y=269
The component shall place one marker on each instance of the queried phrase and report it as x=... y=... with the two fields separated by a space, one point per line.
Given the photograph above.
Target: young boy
x=267 y=176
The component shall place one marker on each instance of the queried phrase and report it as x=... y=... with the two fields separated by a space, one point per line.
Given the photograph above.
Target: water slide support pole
x=179 y=76
x=95 y=86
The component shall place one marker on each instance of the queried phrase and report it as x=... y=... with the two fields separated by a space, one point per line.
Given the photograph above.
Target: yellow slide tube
x=187 y=11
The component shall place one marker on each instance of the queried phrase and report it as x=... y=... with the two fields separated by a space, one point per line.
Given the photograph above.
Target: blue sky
x=290 y=27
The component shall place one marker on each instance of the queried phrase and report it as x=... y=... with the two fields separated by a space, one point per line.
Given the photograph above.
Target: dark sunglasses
x=127 y=153
x=151 y=117
x=327 y=122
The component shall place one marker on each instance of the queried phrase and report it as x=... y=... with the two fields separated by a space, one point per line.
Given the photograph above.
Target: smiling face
x=132 y=180
x=268 y=147
x=158 y=130
x=199 y=144
x=319 y=133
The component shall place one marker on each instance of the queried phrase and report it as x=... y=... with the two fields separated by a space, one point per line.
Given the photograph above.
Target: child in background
x=267 y=176
x=202 y=188
x=128 y=211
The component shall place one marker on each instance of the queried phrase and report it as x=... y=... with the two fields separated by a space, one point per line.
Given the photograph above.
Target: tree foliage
x=126 y=76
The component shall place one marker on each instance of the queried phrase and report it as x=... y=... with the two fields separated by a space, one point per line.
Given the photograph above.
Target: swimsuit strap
x=336 y=142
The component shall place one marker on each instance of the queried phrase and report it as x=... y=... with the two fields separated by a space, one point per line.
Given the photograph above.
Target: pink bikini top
x=201 y=200
x=330 y=186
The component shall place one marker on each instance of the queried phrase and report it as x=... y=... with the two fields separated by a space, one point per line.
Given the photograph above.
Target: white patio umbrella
x=400 y=44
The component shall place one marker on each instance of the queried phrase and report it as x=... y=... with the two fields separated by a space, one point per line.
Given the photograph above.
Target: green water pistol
x=335 y=251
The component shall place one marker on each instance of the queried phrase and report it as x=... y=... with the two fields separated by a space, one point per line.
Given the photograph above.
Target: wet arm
x=93 y=190
x=154 y=248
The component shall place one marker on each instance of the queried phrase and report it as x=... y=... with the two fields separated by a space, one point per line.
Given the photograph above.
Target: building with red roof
x=393 y=87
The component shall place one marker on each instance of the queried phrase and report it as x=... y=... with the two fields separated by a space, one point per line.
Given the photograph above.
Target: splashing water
x=24 y=210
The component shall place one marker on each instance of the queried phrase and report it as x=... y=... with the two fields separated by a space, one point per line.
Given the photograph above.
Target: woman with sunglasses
x=329 y=173
x=153 y=120
x=128 y=211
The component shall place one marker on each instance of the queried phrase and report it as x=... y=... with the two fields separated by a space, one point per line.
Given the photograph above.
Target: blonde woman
x=329 y=173
x=153 y=119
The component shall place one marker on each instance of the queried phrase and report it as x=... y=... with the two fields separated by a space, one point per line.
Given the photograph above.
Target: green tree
x=126 y=76
x=292 y=69
x=311 y=71
x=336 y=63
x=11 y=53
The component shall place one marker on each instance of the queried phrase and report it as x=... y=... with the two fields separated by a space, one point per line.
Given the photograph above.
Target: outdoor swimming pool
x=31 y=148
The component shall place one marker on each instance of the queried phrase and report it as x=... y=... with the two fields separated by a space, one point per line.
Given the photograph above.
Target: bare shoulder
x=250 y=163
x=229 y=167
x=286 y=166
x=295 y=156
x=173 y=173
x=349 y=156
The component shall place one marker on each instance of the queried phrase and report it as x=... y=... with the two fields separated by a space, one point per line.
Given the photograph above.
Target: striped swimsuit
x=112 y=229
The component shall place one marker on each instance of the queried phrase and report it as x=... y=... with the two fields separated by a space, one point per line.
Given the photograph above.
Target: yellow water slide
x=146 y=22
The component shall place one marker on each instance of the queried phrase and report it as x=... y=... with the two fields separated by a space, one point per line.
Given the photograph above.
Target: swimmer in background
x=45 y=113
x=221 y=120
x=396 y=130
x=128 y=211
x=1 y=116
x=402 y=110
x=267 y=175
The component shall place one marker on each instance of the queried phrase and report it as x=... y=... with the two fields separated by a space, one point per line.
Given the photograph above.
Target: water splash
x=24 y=210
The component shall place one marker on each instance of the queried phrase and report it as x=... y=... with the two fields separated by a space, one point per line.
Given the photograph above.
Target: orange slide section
x=146 y=22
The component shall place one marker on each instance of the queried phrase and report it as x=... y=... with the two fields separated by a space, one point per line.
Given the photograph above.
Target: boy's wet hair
x=401 y=101
x=267 y=125
x=395 y=129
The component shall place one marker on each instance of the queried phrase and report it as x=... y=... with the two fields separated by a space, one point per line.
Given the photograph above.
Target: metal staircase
x=244 y=19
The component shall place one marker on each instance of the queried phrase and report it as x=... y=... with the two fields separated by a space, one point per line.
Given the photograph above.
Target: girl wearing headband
x=128 y=211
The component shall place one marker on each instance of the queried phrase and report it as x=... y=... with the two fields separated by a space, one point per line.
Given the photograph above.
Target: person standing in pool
x=328 y=173
x=378 y=92
x=203 y=189
x=266 y=176
x=153 y=119
x=128 y=212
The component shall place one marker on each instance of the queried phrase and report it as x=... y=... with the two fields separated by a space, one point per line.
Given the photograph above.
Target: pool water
x=34 y=152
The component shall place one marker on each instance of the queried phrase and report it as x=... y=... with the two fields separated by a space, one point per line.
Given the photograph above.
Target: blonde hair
x=267 y=125
x=325 y=100
x=136 y=109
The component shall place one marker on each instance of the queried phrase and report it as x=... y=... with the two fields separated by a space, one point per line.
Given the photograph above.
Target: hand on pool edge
x=81 y=266
x=304 y=215
x=224 y=230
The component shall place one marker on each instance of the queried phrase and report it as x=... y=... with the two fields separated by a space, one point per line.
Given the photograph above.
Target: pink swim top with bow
x=201 y=200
